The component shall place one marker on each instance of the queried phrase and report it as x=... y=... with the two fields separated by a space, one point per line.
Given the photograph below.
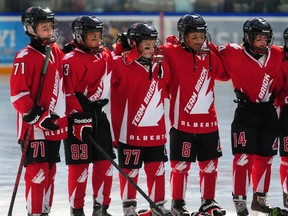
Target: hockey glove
x=121 y=45
x=172 y=39
x=43 y=119
x=82 y=125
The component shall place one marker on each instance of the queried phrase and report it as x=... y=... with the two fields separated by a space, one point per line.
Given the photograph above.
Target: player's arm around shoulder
x=218 y=68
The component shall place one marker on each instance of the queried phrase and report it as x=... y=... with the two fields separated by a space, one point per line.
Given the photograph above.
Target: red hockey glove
x=82 y=125
x=172 y=39
x=43 y=119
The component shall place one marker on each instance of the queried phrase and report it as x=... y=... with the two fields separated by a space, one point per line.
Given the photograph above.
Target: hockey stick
x=107 y=156
x=29 y=132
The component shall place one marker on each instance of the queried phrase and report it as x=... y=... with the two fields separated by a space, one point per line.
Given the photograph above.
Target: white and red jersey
x=192 y=108
x=257 y=79
x=86 y=73
x=24 y=87
x=282 y=97
x=137 y=103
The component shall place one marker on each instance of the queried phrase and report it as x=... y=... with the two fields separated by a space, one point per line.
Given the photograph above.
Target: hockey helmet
x=34 y=15
x=141 y=31
x=253 y=27
x=191 y=23
x=84 y=24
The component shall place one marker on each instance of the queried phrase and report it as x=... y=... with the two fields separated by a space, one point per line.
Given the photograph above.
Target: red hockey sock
x=208 y=177
x=77 y=182
x=155 y=172
x=261 y=173
x=284 y=173
x=36 y=177
x=127 y=191
x=102 y=181
x=49 y=188
x=242 y=168
x=178 y=179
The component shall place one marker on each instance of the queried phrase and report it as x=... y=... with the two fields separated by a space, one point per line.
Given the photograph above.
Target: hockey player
x=45 y=111
x=87 y=73
x=139 y=87
x=283 y=101
x=194 y=133
x=255 y=71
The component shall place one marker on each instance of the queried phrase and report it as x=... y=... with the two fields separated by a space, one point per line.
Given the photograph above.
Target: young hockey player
x=283 y=101
x=43 y=112
x=194 y=133
x=87 y=73
x=139 y=87
x=255 y=71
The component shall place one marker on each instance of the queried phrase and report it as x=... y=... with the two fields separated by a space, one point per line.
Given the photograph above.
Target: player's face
x=45 y=30
x=93 y=39
x=195 y=40
x=260 y=41
x=147 y=48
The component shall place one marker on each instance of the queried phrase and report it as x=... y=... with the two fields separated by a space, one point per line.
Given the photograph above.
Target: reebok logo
x=82 y=121
x=36 y=119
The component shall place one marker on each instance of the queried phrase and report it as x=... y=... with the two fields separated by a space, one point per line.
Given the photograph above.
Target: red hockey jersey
x=137 y=103
x=24 y=86
x=192 y=108
x=257 y=79
x=87 y=74
x=282 y=97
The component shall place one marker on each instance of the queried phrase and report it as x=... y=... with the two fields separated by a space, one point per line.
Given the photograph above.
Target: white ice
x=10 y=155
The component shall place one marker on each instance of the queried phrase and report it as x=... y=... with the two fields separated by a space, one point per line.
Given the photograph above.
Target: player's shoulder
x=277 y=52
x=70 y=56
x=27 y=53
x=276 y=48
x=118 y=60
x=106 y=53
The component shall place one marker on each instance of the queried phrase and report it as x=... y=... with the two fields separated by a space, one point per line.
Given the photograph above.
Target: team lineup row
x=60 y=95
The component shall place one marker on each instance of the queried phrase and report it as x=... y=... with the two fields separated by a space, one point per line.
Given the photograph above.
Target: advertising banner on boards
x=223 y=29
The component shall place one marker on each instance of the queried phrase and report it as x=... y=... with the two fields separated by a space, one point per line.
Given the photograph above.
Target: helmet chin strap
x=255 y=51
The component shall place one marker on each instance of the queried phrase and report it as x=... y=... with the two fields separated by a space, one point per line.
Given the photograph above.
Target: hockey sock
x=155 y=172
x=242 y=169
x=49 y=189
x=77 y=182
x=284 y=173
x=102 y=181
x=208 y=176
x=261 y=173
x=36 y=180
x=178 y=179
x=127 y=191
